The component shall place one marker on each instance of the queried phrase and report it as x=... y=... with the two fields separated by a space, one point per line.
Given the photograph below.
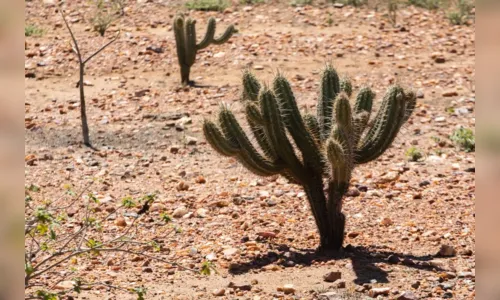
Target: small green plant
x=300 y=2
x=207 y=5
x=461 y=13
x=427 y=4
x=32 y=30
x=207 y=267
x=355 y=3
x=185 y=41
x=329 y=20
x=464 y=139
x=414 y=154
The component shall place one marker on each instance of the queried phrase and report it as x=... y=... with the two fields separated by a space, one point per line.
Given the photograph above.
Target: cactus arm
x=248 y=153
x=313 y=127
x=295 y=125
x=275 y=129
x=346 y=86
x=190 y=36
x=230 y=30
x=209 y=35
x=217 y=140
x=386 y=127
x=180 y=39
x=256 y=123
x=364 y=101
x=329 y=88
x=251 y=87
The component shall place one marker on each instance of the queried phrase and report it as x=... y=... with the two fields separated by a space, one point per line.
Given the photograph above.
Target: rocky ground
x=258 y=233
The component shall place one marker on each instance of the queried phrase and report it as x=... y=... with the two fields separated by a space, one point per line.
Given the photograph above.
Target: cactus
x=185 y=40
x=307 y=148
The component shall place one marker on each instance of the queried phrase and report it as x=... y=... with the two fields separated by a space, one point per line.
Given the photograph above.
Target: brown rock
x=120 y=221
x=218 y=292
x=450 y=93
x=374 y=292
x=447 y=250
x=407 y=296
x=332 y=276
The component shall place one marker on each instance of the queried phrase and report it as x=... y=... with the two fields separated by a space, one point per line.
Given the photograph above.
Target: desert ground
x=410 y=224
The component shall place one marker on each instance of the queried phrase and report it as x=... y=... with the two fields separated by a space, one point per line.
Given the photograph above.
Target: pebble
x=228 y=253
x=447 y=250
x=288 y=289
x=120 y=221
x=211 y=256
x=374 y=292
x=449 y=93
x=332 y=276
x=407 y=296
x=386 y=222
x=389 y=177
x=218 y=292
x=191 y=141
x=201 y=213
x=175 y=149
x=179 y=212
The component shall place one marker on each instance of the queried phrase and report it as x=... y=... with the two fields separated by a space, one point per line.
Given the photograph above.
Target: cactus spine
x=329 y=145
x=185 y=40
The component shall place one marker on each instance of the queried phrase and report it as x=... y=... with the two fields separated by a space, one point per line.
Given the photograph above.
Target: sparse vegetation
x=461 y=12
x=105 y=13
x=32 y=30
x=207 y=5
x=427 y=4
x=464 y=139
x=301 y=2
x=251 y=2
x=355 y=3
x=414 y=154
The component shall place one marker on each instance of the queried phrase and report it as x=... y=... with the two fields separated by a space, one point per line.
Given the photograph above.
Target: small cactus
x=307 y=148
x=185 y=39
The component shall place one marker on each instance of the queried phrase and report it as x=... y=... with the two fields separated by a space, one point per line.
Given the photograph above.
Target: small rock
x=211 y=256
x=218 y=292
x=466 y=275
x=219 y=54
x=450 y=93
x=416 y=284
x=352 y=193
x=330 y=296
x=424 y=183
x=179 y=212
x=389 y=177
x=386 y=222
x=332 y=276
x=147 y=270
x=439 y=119
x=65 y=285
x=175 y=149
x=155 y=49
x=288 y=289
x=407 y=296
x=374 y=292
x=200 y=179
x=258 y=67
x=353 y=234
x=267 y=234
x=228 y=253
x=201 y=213
x=191 y=141
x=182 y=186
x=393 y=259
x=420 y=94
x=120 y=221
x=338 y=5
x=447 y=250
x=271 y=202
x=341 y=284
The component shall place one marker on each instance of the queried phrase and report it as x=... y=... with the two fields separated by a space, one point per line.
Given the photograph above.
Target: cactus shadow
x=364 y=261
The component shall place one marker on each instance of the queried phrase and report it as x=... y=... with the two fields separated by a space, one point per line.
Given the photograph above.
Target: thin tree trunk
x=83 y=110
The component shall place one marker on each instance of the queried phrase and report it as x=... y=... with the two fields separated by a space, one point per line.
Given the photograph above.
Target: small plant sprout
x=414 y=154
x=464 y=139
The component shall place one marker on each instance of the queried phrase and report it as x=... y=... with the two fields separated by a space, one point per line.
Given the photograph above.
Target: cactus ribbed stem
x=331 y=144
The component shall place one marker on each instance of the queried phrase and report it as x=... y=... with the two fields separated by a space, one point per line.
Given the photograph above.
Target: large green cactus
x=185 y=40
x=328 y=145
